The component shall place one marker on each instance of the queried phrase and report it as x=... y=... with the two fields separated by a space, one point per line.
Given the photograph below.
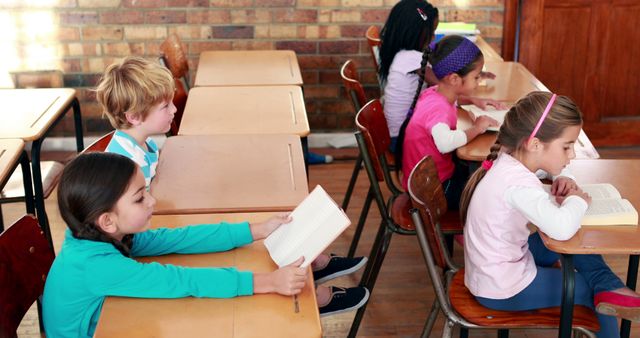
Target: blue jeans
x=593 y=276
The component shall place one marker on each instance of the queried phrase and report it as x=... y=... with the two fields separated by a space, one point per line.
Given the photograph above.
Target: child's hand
x=483 y=103
x=290 y=279
x=487 y=75
x=483 y=122
x=575 y=192
x=263 y=229
x=562 y=185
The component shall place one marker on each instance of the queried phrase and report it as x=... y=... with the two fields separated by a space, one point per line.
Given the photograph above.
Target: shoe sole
x=355 y=307
x=342 y=272
x=629 y=313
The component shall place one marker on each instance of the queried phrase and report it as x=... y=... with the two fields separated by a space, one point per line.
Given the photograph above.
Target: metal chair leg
x=352 y=182
x=431 y=320
x=447 y=330
x=361 y=222
x=464 y=332
x=503 y=333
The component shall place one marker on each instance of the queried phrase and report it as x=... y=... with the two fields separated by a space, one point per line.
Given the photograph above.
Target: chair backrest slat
x=100 y=144
x=25 y=260
x=373 y=125
x=428 y=197
x=352 y=85
x=174 y=56
x=373 y=39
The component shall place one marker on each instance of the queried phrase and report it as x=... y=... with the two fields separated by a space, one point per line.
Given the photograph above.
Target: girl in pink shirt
x=506 y=267
x=430 y=127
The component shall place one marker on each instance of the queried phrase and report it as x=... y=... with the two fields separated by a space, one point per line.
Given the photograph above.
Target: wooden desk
x=490 y=54
x=229 y=173
x=623 y=240
x=245 y=110
x=266 y=315
x=248 y=68
x=29 y=114
x=478 y=149
x=12 y=153
x=512 y=82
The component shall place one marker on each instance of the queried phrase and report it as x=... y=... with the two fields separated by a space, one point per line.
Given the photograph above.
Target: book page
x=496 y=114
x=601 y=191
x=610 y=212
x=316 y=222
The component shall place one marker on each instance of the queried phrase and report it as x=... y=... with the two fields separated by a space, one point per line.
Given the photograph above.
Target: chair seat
x=468 y=307
x=51 y=170
x=400 y=211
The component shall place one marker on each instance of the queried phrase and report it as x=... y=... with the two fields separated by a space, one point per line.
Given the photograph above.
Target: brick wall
x=81 y=37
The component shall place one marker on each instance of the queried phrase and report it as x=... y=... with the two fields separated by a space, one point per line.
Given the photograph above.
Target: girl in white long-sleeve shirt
x=506 y=267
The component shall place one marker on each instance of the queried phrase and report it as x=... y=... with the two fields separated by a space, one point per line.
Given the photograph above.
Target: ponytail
x=473 y=181
x=405 y=123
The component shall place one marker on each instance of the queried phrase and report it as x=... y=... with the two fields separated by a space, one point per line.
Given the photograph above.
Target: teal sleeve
x=191 y=239
x=117 y=275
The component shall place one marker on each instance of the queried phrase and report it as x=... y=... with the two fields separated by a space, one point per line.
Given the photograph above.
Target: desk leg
x=632 y=278
x=38 y=190
x=77 y=119
x=305 y=153
x=568 y=290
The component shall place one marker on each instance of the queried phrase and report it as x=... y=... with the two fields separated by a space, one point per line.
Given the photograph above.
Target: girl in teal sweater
x=103 y=200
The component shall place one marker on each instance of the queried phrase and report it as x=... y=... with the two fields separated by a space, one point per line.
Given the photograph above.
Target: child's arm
x=191 y=239
x=481 y=103
x=447 y=140
x=558 y=222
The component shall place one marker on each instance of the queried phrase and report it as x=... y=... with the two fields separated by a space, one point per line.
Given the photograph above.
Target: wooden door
x=590 y=51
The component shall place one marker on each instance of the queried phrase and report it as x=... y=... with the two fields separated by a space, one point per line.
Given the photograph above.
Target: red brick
x=199 y=47
x=123 y=48
x=341 y=105
x=353 y=31
x=78 y=18
x=346 y=121
x=323 y=121
x=307 y=62
x=496 y=17
x=338 y=47
x=71 y=65
x=296 y=16
x=310 y=77
x=250 y=16
x=251 y=45
x=375 y=15
x=208 y=17
x=188 y=3
x=369 y=77
x=121 y=17
x=231 y=3
x=300 y=47
x=232 y=32
x=160 y=17
x=331 y=77
x=321 y=91
x=144 y=3
x=68 y=33
x=102 y=33
x=470 y=15
x=152 y=48
x=274 y=3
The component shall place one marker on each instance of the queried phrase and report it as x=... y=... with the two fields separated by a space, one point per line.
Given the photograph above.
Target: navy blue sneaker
x=338 y=266
x=345 y=299
x=313 y=158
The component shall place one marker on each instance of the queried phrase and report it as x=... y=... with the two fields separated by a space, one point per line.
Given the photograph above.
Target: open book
x=316 y=222
x=607 y=206
x=496 y=114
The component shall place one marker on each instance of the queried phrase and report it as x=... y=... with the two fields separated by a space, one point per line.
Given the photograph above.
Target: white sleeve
x=558 y=222
x=447 y=140
x=541 y=174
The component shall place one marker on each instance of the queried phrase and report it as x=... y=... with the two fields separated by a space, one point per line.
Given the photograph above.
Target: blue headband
x=459 y=58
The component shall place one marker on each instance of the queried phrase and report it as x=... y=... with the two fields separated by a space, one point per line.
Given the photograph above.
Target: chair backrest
x=25 y=260
x=352 y=85
x=100 y=144
x=180 y=101
x=428 y=197
x=372 y=124
x=373 y=39
x=174 y=56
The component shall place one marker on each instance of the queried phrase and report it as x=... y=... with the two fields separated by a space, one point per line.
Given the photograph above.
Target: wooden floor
x=403 y=295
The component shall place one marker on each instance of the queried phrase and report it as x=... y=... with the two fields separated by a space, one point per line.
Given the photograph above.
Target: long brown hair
x=517 y=127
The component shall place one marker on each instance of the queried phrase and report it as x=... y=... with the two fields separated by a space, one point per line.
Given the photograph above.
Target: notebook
x=497 y=114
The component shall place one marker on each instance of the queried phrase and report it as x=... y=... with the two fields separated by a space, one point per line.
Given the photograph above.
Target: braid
x=493 y=151
x=405 y=123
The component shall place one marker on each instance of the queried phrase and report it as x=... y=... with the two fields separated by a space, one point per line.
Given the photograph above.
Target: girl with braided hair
x=430 y=126
x=103 y=200
x=507 y=267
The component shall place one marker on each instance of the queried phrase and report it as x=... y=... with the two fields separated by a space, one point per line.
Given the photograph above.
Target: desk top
x=265 y=315
x=248 y=68
x=478 y=149
x=490 y=54
x=604 y=239
x=512 y=82
x=28 y=113
x=245 y=110
x=10 y=151
x=229 y=173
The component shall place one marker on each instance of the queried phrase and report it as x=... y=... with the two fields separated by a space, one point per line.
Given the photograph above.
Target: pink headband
x=544 y=115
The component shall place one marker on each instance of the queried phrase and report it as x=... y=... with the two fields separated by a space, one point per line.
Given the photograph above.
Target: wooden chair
x=373 y=141
x=100 y=144
x=373 y=39
x=452 y=297
x=180 y=101
x=175 y=59
x=26 y=258
x=353 y=87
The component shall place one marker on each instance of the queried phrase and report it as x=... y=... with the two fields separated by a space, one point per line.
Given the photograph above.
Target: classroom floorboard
x=403 y=295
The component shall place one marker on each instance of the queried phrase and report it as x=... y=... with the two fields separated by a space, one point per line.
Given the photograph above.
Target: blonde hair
x=133 y=85
x=518 y=125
